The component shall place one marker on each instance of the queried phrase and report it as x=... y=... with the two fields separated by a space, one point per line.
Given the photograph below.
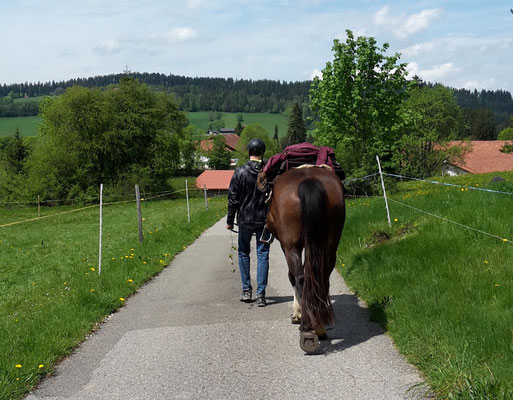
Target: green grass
x=51 y=295
x=443 y=292
x=27 y=125
x=267 y=120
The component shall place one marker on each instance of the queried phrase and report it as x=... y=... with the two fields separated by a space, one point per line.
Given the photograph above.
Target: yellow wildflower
x=504 y=240
x=92 y=290
x=18 y=365
x=486 y=262
x=41 y=366
x=121 y=299
x=144 y=262
x=497 y=285
x=130 y=280
x=92 y=269
x=395 y=220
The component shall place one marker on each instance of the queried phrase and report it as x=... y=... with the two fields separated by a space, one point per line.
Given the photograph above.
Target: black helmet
x=256 y=147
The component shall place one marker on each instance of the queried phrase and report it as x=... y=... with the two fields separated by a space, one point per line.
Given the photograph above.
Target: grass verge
x=51 y=295
x=443 y=292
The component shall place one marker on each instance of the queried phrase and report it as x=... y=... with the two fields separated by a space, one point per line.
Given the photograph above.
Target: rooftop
x=485 y=156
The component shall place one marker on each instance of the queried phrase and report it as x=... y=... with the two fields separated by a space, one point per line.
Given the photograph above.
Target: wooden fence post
x=139 y=212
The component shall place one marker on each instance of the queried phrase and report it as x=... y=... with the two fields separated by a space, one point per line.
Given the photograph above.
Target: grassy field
x=51 y=295
x=442 y=291
x=267 y=120
x=27 y=125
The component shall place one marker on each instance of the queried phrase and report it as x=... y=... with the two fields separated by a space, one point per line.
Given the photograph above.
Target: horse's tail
x=316 y=305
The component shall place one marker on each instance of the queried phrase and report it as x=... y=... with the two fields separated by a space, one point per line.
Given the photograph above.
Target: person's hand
x=229 y=227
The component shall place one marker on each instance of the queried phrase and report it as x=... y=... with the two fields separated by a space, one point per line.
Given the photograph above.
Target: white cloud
x=476 y=84
x=418 y=49
x=179 y=34
x=434 y=74
x=315 y=73
x=111 y=46
x=405 y=25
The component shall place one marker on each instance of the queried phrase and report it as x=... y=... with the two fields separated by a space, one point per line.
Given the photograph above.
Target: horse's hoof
x=295 y=320
x=308 y=341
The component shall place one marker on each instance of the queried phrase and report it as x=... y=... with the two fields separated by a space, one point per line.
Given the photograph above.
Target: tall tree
x=276 y=136
x=219 y=157
x=16 y=153
x=357 y=103
x=296 y=132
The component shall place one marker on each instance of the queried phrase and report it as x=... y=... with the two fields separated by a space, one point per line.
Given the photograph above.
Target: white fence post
x=206 y=201
x=139 y=212
x=384 y=192
x=100 y=244
x=187 y=196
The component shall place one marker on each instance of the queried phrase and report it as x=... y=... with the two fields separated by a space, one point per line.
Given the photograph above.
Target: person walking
x=248 y=203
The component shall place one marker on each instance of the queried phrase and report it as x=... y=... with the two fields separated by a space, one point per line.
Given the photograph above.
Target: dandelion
x=92 y=290
x=18 y=365
x=144 y=262
x=395 y=220
x=113 y=258
x=504 y=240
x=131 y=249
x=130 y=280
x=497 y=285
x=462 y=189
x=41 y=366
x=65 y=283
x=92 y=269
x=132 y=254
x=121 y=299
x=17 y=379
x=486 y=262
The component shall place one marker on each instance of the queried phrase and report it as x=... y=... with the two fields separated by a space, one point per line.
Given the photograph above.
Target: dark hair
x=256 y=147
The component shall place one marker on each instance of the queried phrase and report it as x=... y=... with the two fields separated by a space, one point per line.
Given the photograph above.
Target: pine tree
x=276 y=137
x=239 y=128
x=17 y=152
x=296 y=132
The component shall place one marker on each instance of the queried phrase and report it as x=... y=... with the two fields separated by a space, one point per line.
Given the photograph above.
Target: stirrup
x=271 y=237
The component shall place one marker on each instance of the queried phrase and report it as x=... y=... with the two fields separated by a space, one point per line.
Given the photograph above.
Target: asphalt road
x=186 y=335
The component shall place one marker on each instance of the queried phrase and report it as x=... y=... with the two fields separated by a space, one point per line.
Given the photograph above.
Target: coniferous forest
x=492 y=107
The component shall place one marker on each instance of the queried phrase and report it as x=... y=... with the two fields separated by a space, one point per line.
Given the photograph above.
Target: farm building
x=483 y=157
x=231 y=143
x=214 y=179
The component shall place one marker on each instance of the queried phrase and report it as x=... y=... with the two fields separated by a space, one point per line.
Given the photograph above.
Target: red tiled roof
x=485 y=156
x=215 y=179
x=231 y=142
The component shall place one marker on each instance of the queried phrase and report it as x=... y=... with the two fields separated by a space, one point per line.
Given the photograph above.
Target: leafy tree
x=296 y=132
x=120 y=137
x=190 y=158
x=219 y=157
x=253 y=131
x=357 y=103
x=431 y=118
x=216 y=125
x=506 y=134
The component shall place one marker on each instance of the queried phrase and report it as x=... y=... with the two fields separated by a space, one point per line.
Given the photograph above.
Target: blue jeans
x=262 y=259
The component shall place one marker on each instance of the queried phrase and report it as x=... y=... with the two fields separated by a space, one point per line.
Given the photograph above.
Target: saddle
x=295 y=156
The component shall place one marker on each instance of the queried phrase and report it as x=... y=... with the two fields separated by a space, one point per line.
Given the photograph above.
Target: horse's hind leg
x=293 y=257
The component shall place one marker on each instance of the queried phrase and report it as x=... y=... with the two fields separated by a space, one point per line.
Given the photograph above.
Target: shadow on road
x=351 y=327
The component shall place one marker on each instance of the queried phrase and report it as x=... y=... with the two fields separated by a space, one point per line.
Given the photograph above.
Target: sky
x=462 y=44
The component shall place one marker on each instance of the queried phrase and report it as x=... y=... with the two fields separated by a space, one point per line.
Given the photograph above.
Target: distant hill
x=193 y=94
x=229 y=95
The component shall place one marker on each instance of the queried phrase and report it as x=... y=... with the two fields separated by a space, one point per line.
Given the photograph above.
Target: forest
x=485 y=110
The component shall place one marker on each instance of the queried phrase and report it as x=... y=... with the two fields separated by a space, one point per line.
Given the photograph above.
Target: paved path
x=185 y=335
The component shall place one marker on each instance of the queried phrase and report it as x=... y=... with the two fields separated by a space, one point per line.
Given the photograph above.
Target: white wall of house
x=452 y=170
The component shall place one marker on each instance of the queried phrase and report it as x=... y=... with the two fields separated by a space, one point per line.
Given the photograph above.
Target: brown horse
x=307 y=212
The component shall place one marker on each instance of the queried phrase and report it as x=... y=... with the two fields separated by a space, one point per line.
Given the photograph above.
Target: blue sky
x=459 y=43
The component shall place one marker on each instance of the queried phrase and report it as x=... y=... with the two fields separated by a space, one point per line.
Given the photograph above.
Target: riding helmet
x=256 y=147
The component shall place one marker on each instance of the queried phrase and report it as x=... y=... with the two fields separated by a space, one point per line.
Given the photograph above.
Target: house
x=207 y=145
x=214 y=179
x=483 y=157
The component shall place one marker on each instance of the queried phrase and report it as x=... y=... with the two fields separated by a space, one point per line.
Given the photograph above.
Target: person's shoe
x=246 y=296
x=261 y=302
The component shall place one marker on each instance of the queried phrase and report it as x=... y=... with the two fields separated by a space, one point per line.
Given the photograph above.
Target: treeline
x=193 y=94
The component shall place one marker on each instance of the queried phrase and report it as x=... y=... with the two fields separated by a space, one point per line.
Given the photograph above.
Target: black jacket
x=244 y=199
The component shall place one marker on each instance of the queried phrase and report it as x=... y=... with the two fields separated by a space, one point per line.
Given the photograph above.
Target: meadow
x=267 y=120
x=27 y=125
x=442 y=291
x=51 y=295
